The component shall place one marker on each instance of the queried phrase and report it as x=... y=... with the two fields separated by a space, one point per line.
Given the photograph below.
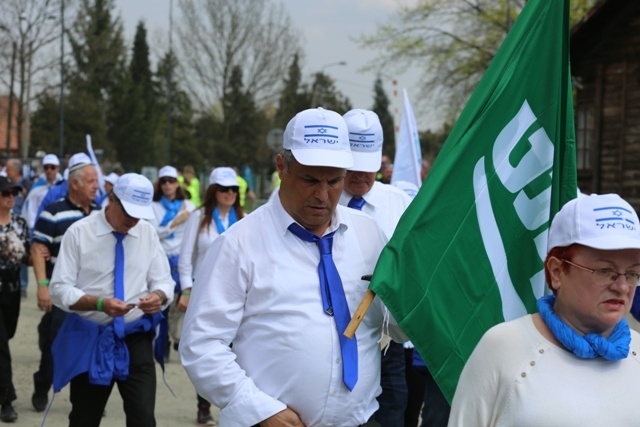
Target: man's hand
x=44 y=299
x=44 y=252
x=183 y=302
x=286 y=418
x=152 y=303
x=115 y=307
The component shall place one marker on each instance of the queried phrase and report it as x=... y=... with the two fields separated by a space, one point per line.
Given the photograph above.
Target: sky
x=328 y=28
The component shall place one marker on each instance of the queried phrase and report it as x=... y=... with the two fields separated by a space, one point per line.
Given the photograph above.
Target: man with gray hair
x=281 y=285
x=49 y=229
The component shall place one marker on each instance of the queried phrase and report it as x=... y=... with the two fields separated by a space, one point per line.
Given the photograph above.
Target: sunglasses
x=223 y=189
x=13 y=192
x=163 y=181
x=49 y=167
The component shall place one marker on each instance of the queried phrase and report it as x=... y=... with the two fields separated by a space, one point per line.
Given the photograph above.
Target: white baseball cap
x=135 y=193
x=600 y=221
x=318 y=137
x=50 y=159
x=365 y=139
x=224 y=176
x=79 y=160
x=111 y=178
x=168 y=171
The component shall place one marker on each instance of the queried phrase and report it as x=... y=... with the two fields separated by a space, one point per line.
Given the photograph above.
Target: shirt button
x=338 y=361
x=333 y=393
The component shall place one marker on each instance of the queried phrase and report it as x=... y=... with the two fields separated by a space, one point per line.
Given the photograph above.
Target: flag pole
x=367 y=299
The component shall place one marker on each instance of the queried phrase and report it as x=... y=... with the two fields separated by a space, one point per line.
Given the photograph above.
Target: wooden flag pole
x=367 y=299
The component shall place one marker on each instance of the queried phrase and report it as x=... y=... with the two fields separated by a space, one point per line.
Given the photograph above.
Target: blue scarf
x=171 y=211
x=233 y=218
x=589 y=346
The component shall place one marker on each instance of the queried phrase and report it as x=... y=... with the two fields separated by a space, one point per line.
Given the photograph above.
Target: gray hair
x=77 y=174
x=288 y=158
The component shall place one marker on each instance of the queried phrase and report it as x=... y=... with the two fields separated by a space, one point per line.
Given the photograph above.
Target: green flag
x=468 y=252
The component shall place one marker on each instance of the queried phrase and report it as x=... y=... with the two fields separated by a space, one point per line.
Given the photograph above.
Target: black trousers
x=47 y=330
x=138 y=392
x=9 y=312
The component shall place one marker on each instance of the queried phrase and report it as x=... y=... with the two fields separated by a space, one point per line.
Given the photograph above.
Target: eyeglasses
x=13 y=192
x=49 y=167
x=224 y=189
x=164 y=180
x=607 y=276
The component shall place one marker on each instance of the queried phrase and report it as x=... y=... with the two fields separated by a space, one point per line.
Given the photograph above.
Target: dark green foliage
x=381 y=108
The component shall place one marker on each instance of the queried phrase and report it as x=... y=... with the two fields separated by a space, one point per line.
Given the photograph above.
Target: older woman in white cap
x=576 y=362
x=220 y=210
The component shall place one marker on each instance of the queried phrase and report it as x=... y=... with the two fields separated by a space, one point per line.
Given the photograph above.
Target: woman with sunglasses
x=14 y=252
x=576 y=362
x=219 y=211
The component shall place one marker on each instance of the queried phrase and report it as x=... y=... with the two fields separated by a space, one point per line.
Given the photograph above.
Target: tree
x=134 y=116
x=244 y=127
x=27 y=29
x=294 y=96
x=175 y=131
x=218 y=35
x=381 y=108
x=325 y=94
x=452 y=41
x=97 y=75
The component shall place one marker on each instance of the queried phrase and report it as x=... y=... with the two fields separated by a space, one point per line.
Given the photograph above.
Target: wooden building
x=605 y=64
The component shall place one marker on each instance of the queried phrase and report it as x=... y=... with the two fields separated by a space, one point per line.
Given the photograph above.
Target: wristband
x=43 y=282
x=186 y=293
x=99 y=305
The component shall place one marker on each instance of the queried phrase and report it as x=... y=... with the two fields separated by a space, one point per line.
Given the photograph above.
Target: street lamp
x=314 y=92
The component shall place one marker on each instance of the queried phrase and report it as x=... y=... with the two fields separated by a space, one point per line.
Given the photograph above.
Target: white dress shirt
x=384 y=203
x=171 y=238
x=259 y=289
x=86 y=262
x=188 y=264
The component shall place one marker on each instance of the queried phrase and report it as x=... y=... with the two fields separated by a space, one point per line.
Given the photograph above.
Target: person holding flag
x=551 y=368
x=469 y=251
x=385 y=203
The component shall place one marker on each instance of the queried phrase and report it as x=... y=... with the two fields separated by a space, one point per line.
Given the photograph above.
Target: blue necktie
x=334 y=301
x=118 y=285
x=356 y=202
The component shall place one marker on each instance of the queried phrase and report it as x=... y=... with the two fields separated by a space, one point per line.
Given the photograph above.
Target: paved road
x=170 y=411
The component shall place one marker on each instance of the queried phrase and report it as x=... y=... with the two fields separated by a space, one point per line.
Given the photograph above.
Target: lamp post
x=61 y=152
x=314 y=92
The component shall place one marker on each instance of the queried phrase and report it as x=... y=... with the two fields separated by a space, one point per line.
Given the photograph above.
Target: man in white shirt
x=385 y=203
x=51 y=176
x=113 y=278
x=266 y=289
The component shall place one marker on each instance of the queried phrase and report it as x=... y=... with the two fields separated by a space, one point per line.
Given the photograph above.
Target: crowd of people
x=255 y=304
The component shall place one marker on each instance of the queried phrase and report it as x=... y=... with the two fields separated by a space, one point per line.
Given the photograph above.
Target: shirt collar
x=284 y=220
x=103 y=227
x=372 y=197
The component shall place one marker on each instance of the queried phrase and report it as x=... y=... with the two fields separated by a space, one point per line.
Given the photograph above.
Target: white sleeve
x=189 y=238
x=215 y=313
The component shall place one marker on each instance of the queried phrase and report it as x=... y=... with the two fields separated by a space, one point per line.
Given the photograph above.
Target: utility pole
x=10 y=118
